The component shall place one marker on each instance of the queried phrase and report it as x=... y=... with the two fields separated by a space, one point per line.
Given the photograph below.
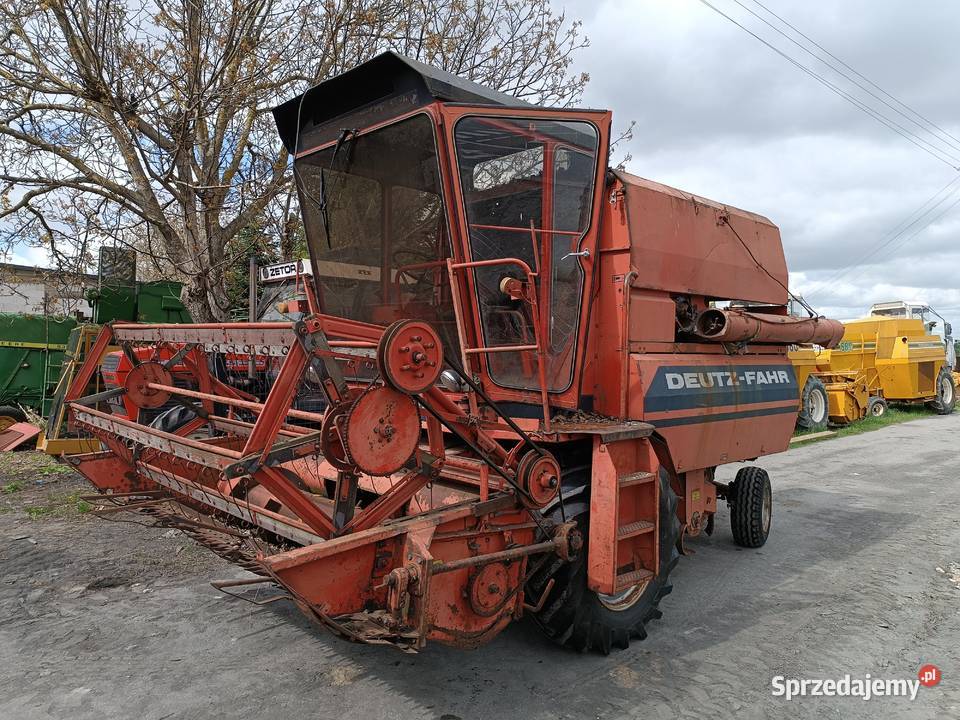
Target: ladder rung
x=632 y=578
x=635 y=478
x=635 y=528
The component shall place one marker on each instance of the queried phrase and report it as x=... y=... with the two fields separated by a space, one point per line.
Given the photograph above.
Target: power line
x=938 y=153
x=942 y=152
x=860 y=75
x=852 y=80
x=898 y=233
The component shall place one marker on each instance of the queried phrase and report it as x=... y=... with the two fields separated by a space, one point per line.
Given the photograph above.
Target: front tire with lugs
x=751 y=507
x=579 y=618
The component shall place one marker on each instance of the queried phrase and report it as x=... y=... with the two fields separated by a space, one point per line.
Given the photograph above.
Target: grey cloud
x=723 y=116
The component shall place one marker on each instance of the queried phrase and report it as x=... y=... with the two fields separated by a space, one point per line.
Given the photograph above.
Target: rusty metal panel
x=686 y=244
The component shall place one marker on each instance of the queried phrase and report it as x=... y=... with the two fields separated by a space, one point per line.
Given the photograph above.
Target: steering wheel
x=418 y=274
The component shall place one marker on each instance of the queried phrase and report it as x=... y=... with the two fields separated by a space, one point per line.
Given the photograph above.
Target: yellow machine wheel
x=946 y=394
x=877 y=407
x=814 y=405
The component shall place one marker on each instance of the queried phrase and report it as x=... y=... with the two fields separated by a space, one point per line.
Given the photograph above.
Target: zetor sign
x=283 y=271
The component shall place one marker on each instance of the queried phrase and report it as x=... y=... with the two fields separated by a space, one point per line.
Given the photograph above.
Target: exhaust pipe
x=718 y=325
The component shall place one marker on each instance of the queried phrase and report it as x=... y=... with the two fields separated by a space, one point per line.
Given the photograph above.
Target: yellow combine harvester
x=890 y=356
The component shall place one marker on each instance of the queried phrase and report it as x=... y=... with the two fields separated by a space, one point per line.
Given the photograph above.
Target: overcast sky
x=721 y=115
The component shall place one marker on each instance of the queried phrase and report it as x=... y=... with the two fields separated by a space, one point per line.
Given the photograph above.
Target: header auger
x=528 y=381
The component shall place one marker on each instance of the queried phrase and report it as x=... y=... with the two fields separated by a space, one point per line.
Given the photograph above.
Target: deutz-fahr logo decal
x=689 y=387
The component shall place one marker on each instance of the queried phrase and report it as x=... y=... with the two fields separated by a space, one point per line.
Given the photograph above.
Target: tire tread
x=746 y=506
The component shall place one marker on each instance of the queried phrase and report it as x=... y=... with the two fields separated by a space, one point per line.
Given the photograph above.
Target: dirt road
x=861 y=575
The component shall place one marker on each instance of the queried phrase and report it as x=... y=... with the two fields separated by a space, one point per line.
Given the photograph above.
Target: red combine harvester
x=529 y=375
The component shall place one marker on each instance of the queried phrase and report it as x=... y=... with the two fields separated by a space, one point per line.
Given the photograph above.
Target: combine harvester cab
x=530 y=380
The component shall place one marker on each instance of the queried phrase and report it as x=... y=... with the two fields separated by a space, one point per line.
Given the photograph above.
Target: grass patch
x=893 y=416
x=62 y=506
x=54 y=470
x=12 y=487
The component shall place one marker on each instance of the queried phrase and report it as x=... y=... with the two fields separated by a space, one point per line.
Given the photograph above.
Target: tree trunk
x=205 y=296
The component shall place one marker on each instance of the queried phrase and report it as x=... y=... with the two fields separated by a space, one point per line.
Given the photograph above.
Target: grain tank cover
x=682 y=243
x=384 y=87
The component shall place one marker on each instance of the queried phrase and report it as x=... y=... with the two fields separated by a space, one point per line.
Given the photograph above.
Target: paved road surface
x=848 y=583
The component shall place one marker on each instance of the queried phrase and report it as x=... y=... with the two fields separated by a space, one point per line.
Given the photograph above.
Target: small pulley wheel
x=489 y=589
x=539 y=475
x=410 y=356
x=137 y=381
x=381 y=431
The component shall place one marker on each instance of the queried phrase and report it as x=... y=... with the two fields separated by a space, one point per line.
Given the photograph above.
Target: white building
x=25 y=289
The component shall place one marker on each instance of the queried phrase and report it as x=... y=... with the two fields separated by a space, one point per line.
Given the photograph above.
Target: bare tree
x=146 y=122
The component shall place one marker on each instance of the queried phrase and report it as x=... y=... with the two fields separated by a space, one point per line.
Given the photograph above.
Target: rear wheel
x=813 y=405
x=575 y=616
x=10 y=415
x=751 y=507
x=946 y=394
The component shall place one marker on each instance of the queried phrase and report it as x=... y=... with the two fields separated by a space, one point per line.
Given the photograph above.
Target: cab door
x=527 y=187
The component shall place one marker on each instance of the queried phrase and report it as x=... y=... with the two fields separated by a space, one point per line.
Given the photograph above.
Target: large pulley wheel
x=410 y=356
x=381 y=431
x=137 y=385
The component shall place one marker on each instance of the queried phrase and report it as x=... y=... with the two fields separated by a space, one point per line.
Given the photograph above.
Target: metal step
x=632 y=578
x=635 y=528
x=635 y=478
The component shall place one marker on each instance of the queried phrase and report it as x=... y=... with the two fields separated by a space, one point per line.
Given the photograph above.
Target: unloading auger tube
x=733 y=325
x=453 y=571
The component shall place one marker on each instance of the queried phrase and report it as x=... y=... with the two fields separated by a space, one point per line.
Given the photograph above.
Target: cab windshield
x=376 y=227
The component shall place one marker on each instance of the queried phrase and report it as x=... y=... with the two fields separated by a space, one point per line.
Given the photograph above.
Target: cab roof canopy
x=382 y=88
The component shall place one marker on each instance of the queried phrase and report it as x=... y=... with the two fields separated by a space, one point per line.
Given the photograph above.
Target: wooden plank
x=812 y=436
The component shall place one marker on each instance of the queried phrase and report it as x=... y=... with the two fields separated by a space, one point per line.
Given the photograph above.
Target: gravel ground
x=861 y=575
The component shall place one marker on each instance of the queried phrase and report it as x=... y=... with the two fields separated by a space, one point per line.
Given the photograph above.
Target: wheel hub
x=817 y=407
x=946 y=391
